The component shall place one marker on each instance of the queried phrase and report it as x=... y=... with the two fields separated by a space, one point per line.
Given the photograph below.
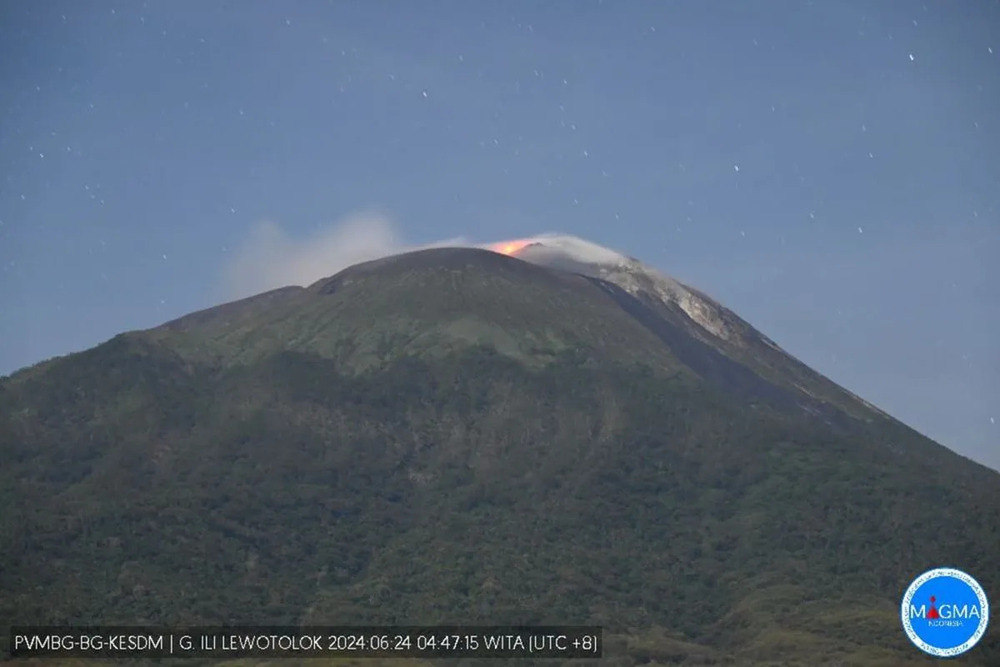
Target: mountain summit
x=573 y=254
x=542 y=431
x=697 y=314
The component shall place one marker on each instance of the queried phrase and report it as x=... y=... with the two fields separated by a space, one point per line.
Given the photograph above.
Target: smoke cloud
x=580 y=250
x=270 y=258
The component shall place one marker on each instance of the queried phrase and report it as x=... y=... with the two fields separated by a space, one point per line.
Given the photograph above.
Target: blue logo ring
x=957 y=617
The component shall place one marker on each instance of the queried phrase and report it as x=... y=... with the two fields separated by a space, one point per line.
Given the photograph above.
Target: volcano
x=542 y=431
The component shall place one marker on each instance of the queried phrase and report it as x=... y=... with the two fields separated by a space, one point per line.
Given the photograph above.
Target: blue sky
x=828 y=170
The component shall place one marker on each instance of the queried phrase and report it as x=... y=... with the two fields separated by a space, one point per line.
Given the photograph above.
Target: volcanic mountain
x=543 y=431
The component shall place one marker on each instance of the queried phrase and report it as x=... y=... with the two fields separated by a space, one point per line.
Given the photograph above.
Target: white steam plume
x=269 y=258
x=578 y=249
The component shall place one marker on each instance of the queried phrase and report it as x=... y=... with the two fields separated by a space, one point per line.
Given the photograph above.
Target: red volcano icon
x=933 y=613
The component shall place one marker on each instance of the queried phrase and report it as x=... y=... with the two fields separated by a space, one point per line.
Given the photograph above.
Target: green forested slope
x=458 y=484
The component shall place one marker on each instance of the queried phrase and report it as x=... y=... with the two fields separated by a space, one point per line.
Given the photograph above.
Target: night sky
x=828 y=170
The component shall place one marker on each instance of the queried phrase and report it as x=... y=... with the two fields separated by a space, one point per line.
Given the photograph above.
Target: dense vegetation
x=470 y=487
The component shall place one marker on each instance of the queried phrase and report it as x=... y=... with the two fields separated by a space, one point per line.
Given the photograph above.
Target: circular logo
x=945 y=612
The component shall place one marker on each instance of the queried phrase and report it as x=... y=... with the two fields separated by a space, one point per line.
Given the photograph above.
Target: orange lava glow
x=510 y=247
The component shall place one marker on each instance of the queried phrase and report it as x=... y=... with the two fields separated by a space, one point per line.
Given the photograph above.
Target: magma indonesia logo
x=945 y=612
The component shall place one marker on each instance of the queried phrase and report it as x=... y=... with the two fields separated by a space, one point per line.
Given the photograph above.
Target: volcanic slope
x=456 y=435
